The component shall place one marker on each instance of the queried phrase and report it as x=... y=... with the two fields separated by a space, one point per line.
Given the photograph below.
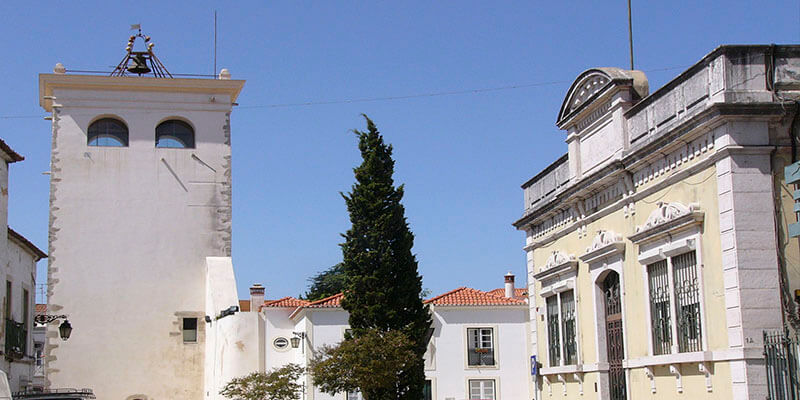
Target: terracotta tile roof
x=41 y=308
x=519 y=293
x=328 y=302
x=286 y=302
x=465 y=296
x=244 y=305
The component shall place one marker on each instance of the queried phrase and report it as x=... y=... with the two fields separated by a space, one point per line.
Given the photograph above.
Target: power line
x=389 y=98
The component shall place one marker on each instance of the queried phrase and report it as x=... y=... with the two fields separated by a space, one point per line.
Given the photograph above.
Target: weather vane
x=140 y=62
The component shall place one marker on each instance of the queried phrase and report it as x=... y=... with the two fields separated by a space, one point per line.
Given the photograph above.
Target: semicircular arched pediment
x=595 y=80
x=585 y=86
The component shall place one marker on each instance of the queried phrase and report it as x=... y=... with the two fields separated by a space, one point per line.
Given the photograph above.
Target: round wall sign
x=280 y=343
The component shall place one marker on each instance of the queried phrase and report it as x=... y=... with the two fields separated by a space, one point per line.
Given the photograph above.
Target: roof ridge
x=432 y=299
x=320 y=301
x=270 y=303
x=472 y=297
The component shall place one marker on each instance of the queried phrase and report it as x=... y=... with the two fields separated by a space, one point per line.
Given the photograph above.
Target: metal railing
x=780 y=354
x=16 y=339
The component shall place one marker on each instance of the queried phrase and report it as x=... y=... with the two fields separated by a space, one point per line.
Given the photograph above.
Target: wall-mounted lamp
x=64 y=330
x=296 y=339
x=208 y=319
x=228 y=311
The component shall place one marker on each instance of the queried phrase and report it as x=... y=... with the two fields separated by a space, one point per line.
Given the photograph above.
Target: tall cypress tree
x=383 y=288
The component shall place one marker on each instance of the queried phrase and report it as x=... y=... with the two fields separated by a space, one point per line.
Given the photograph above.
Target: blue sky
x=461 y=151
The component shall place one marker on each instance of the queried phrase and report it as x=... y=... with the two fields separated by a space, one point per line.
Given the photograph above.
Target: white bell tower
x=140 y=195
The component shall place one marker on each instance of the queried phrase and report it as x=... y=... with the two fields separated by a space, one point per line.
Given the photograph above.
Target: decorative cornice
x=558 y=258
x=667 y=217
x=604 y=244
x=558 y=262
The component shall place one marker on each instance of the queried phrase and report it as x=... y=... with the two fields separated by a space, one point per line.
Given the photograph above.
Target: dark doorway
x=614 y=338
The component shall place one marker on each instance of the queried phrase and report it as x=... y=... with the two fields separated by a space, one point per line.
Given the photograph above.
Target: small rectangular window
x=189 y=330
x=658 y=280
x=553 y=332
x=7 y=311
x=25 y=308
x=687 y=302
x=354 y=395
x=481 y=389
x=568 y=327
x=427 y=391
x=480 y=346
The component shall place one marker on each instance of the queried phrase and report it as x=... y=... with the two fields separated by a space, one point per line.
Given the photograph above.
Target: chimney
x=256 y=296
x=509 y=285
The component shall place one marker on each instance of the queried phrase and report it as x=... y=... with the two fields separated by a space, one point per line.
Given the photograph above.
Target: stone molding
x=667 y=217
x=558 y=262
x=605 y=244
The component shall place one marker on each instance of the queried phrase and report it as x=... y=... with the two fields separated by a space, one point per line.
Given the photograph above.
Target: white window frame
x=353 y=395
x=671 y=229
x=685 y=247
x=556 y=276
x=468 y=339
x=495 y=386
x=559 y=306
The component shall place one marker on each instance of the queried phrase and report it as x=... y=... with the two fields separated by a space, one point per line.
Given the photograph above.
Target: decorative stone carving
x=666 y=212
x=558 y=258
x=603 y=239
x=560 y=266
x=605 y=244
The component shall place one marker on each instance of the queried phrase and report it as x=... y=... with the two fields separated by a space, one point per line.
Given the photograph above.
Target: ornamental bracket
x=44 y=319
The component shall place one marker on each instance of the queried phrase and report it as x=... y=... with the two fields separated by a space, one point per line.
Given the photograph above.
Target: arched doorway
x=615 y=345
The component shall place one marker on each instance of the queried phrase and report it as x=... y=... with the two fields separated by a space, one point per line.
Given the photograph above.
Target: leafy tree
x=326 y=283
x=370 y=362
x=383 y=288
x=278 y=384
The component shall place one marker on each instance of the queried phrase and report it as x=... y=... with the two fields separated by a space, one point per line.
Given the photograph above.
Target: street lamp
x=296 y=339
x=64 y=330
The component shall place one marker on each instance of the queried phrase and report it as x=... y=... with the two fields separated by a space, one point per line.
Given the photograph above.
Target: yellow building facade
x=657 y=246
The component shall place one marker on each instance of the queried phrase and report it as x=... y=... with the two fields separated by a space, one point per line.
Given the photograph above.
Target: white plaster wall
x=129 y=232
x=327 y=328
x=238 y=344
x=512 y=372
x=20 y=270
x=445 y=360
x=278 y=324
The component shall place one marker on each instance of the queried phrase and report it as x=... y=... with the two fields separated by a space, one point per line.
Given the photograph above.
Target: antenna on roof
x=630 y=32
x=136 y=62
x=214 y=72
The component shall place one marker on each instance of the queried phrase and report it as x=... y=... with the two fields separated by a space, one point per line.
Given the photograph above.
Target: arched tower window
x=175 y=134
x=108 y=132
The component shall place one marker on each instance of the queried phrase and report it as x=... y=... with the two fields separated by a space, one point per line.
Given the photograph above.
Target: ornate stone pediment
x=667 y=217
x=559 y=266
x=558 y=258
x=605 y=243
x=603 y=239
x=592 y=83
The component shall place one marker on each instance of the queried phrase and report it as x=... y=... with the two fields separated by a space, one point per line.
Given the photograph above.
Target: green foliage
x=370 y=362
x=326 y=283
x=278 y=384
x=383 y=288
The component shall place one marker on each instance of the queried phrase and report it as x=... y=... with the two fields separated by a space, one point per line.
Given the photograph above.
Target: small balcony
x=16 y=339
x=480 y=357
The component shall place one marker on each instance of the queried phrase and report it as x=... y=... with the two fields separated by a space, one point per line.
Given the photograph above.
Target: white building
x=19 y=256
x=478 y=348
x=140 y=217
x=140 y=243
